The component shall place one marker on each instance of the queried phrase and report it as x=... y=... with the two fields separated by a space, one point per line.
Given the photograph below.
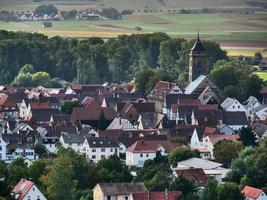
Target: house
x=159 y=92
x=196 y=174
x=258 y=113
x=264 y=95
x=198 y=85
x=235 y=120
x=207 y=117
x=8 y=106
x=260 y=130
x=212 y=169
x=252 y=193
x=121 y=124
x=120 y=191
x=208 y=96
x=209 y=141
x=73 y=140
x=98 y=148
x=142 y=150
x=155 y=195
x=150 y=121
x=232 y=105
x=26 y=190
x=3 y=145
x=251 y=103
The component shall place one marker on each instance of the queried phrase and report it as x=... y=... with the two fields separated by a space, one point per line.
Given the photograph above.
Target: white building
x=232 y=105
x=251 y=103
x=141 y=151
x=24 y=152
x=27 y=190
x=3 y=145
x=73 y=140
x=96 y=149
x=259 y=113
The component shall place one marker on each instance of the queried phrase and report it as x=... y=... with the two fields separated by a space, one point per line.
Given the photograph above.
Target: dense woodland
x=28 y=59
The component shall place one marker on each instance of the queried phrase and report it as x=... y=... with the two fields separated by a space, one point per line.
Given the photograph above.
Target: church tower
x=197 y=61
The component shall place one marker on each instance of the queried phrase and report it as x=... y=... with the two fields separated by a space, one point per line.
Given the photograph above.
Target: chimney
x=166 y=194
x=120 y=119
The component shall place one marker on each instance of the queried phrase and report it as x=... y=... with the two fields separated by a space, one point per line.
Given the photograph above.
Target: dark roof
x=235 y=118
x=198 y=46
x=172 y=195
x=185 y=131
x=43 y=115
x=74 y=137
x=173 y=98
x=121 y=188
x=98 y=142
x=208 y=117
x=197 y=175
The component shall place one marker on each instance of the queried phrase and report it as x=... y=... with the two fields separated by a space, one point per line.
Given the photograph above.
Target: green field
x=212 y=26
x=262 y=75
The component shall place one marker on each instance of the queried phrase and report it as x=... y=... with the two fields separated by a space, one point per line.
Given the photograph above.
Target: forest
x=31 y=59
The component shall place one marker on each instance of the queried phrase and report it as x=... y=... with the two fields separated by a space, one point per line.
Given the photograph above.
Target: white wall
x=2 y=149
x=34 y=194
x=135 y=159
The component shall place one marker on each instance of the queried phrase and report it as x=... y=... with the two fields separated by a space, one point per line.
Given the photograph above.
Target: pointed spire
x=198 y=33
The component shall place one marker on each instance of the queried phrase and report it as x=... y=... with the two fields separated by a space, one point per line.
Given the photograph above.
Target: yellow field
x=248 y=52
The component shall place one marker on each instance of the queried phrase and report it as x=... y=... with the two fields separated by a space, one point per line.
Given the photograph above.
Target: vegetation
x=68 y=106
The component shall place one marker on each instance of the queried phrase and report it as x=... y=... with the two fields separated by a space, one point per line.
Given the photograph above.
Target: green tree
x=186 y=186
x=229 y=191
x=113 y=170
x=46 y=10
x=141 y=79
x=102 y=122
x=210 y=191
x=248 y=136
x=59 y=180
x=181 y=153
x=41 y=78
x=4 y=190
x=225 y=151
x=36 y=170
x=68 y=106
x=40 y=149
x=16 y=170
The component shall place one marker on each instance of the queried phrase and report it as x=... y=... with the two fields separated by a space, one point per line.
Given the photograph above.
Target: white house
x=259 y=113
x=251 y=103
x=24 y=152
x=195 y=141
x=212 y=169
x=121 y=124
x=3 y=145
x=27 y=190
x=252 y=193
x=232 y=105
x=97 y=148
x=73 y=140
x=235 y=120
x=141 y=151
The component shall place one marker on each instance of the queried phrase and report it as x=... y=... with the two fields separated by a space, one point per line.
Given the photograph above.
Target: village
x=99 y=121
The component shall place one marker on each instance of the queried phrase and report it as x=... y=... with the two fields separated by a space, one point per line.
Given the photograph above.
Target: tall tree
x=59 y=180
x=248 y=136
x=229 y=191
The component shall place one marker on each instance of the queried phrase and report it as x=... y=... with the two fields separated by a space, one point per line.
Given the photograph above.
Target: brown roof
x=209 y=131
x=172 y=195
x=121 y=188
x=217 y=137
x=152 y=146
x=92 y=113
x=40 y=105
x=22 y=188
x=160 y=90
x=188 y=101
x=263 y=90
x=197 y=175
x=7 y=101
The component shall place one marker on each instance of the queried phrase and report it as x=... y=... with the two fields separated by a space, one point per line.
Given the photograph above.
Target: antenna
x=198 y=32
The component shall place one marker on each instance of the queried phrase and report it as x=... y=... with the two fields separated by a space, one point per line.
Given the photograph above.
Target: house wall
x=194 y=141
x=138 y=159
x=34 y=194
x=236 y=127
x=3 y=145
x=51 y=148
x=236 y=107
x=27 y=153
x=207 y=144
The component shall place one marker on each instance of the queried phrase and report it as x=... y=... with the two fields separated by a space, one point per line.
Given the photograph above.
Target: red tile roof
x=151 y=146
x=216 y=138
x=210 y=131
x=263 y=90
x=251 y=192
x=187 y=101
x=40 y=105
x=7 y=101
x=22 y=188
x=156 y=195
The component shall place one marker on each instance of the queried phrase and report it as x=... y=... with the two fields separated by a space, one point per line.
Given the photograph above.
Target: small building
x=47 y=24
x=252 y=193
x=110 y=191
x=26 y=190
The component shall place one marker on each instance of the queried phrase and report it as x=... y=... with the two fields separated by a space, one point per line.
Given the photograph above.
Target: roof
x=196 y=174
x=228 y=102
x=121 y=188
x=257 y=109
x=151 y=146
x=218 y=137
x=43 y=115
x=22 y=188
x=264 y=90
x=74 y=137
x=118 y=123
x=98 y=142
x=251 y=192
x=198 y=45
x=160 y=90
x=194 y=84
x=172 y=195
x=235 y=118
x=200 y=163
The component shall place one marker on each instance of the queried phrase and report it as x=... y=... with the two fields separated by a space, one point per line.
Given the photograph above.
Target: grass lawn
x=262 y=75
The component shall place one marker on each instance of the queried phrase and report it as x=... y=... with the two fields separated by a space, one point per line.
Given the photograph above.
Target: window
x=93 y=150
x=108 y=197
x=93 y=156
x=103 y=150
x=111 y=150
x=102 y=156
x=141 y=155
x=147 y=155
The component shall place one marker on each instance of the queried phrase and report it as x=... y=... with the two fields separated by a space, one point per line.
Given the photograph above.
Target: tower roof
x=198 y=45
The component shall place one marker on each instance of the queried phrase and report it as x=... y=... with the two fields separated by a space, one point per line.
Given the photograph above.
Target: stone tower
x=197 y=61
